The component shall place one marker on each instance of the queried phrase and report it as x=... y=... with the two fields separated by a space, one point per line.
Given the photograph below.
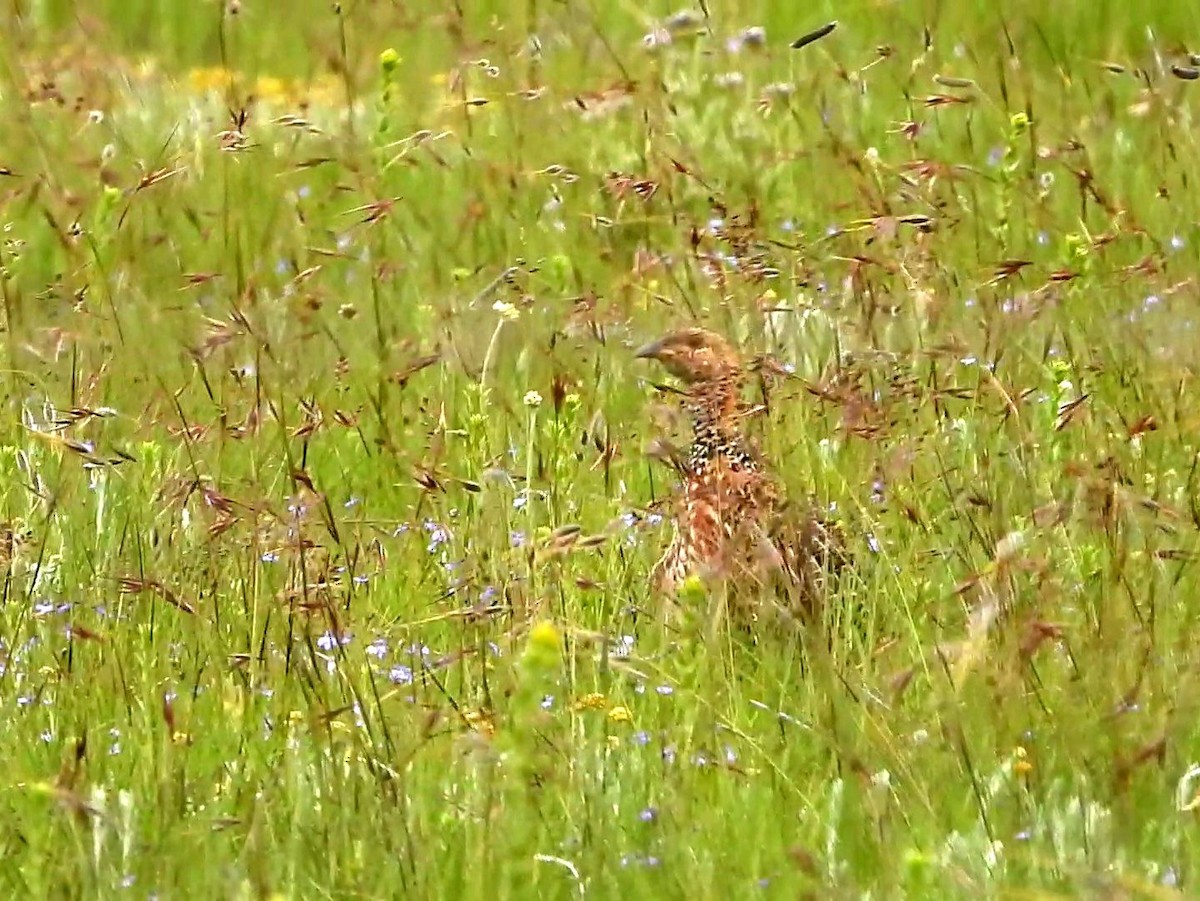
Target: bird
x=732 y=521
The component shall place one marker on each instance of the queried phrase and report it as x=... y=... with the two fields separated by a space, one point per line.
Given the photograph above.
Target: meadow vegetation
x=328 y=507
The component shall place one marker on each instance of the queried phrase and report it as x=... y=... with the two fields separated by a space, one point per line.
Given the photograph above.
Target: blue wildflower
x=330 y=641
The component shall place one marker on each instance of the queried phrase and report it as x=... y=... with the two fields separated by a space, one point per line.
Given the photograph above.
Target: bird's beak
x=649 y=351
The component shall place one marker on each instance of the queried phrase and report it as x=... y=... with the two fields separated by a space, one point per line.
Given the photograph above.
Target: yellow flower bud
x=544 y=647
x=388 y=60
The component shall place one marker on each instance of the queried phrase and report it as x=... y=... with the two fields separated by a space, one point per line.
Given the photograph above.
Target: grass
x=317 y=355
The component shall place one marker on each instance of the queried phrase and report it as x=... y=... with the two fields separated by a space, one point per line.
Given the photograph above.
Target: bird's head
x=693 y=355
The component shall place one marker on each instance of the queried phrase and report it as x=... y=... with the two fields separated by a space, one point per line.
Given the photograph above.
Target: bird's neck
x=716 y=430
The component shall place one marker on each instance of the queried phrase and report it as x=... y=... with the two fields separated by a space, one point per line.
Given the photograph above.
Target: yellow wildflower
x=545 y=635
x=620 y=714
x=1023 y=766
x=268 y=87
x=692 y=588
x=480 y=721
x=212 y=78
x=594 y=700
